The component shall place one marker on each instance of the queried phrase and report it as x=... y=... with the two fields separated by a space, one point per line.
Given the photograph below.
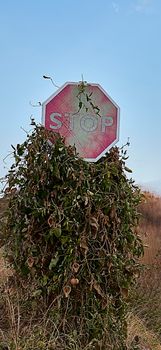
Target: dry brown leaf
x=104 y=303
x=94 y=222
x=95 y=226
x=124 y=292
x=86 y=201
x=98 y=289
x=83 y=244
x=106 y=219
x=113 y=213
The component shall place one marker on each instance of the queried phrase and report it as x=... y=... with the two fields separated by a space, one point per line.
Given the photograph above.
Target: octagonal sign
x=87 y=118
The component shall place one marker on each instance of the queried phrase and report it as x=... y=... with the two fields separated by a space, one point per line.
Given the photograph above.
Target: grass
x=139 y=334
x=25 y=327
x=150 y=226
x=146 y=298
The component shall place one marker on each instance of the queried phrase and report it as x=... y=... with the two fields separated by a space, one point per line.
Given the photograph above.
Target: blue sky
x=114 y=43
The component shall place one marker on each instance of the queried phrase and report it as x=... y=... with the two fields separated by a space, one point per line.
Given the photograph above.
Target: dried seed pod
x=75 y=267
x=74 y=281
x=67 y=290
x=30 y=261
x=51 y=221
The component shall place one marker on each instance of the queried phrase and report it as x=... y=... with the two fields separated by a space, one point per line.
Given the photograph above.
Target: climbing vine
x=71 y=234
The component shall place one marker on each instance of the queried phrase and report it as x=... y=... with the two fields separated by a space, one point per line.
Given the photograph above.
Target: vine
x=83 y=95
x=71 y=235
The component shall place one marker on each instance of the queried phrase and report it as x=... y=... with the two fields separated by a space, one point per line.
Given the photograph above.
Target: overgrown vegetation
x=70 y=233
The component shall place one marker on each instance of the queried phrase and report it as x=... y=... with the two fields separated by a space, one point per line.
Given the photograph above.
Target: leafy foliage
x=71 y=235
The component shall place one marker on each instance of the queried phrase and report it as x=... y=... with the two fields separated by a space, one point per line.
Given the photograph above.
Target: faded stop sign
x=88 y=119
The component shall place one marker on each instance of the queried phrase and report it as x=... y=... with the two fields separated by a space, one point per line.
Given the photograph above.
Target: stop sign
x=86 y=116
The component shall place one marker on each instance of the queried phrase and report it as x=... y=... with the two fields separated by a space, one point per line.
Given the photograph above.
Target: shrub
x=71 y=236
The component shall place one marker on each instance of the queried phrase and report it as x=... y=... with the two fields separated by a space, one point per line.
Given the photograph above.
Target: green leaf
x=80 y=104
x=127 y=169
x=53 y=262
x=20 y=149
x=44 y=280
x=37 y=293
x=25 y=270
x=64 y=239
x=88 y=98
x=56 y=231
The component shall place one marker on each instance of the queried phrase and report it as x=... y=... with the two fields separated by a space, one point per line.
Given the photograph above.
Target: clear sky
x=114 y=43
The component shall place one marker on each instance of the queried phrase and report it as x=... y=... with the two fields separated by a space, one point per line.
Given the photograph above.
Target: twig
x=38 y=104
x=46 y=77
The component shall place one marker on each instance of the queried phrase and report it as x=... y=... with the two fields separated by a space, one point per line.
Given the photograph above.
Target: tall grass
x=150 y=226
x=146 y=298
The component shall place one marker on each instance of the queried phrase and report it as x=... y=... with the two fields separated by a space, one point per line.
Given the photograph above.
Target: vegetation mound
x=70 y=235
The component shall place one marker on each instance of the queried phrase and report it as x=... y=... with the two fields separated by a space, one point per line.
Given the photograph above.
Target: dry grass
x=145 y=319
x=137 y=329
x=150 y=226
x=3 y=205
x=5 y=271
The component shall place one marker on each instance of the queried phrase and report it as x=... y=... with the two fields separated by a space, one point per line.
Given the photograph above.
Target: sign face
x=87 y=118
